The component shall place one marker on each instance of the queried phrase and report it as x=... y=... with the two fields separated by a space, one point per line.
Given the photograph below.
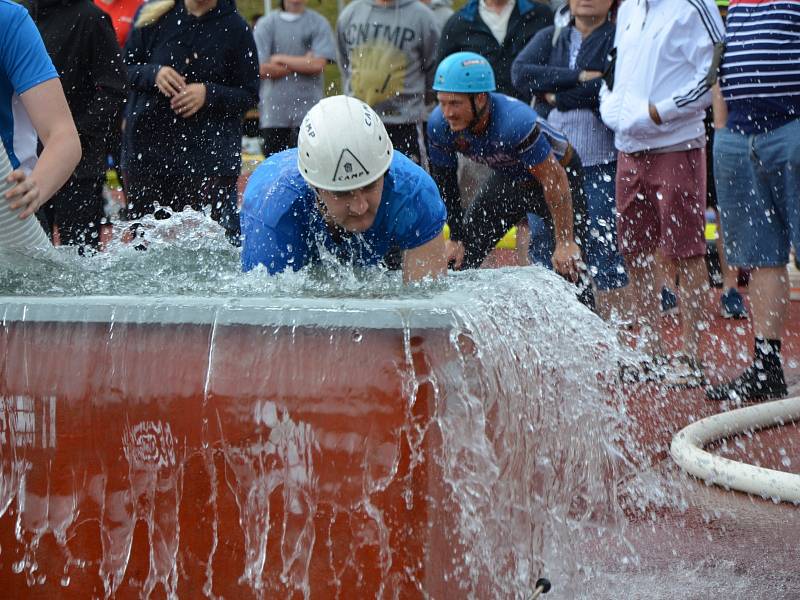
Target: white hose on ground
x=23 y=237
x=687 y=450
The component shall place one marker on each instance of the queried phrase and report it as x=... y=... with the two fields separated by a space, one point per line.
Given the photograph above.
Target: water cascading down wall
x=310 y=448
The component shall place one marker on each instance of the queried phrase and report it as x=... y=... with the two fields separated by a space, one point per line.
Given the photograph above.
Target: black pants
x=177 y=192
x=278 y=139
x=503 y=202
x=405 y=138
x=77 y=209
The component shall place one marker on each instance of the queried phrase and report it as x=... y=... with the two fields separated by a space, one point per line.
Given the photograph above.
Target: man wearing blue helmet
x=534 y=166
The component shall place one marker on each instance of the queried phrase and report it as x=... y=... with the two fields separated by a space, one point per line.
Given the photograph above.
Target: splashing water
x=451 y=440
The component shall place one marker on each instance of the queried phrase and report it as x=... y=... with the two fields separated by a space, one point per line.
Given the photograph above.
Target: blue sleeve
x=440 y=151
x=242 y=94
x=531 y=72
x=527 y=138
x=141 y=72
x=24 y=57
x=423 y=215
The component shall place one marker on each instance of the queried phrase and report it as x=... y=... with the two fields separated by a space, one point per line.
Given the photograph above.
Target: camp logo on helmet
x=472 y=61
x=348 y=167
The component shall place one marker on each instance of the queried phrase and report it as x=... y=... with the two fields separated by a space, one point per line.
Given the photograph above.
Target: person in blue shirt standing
x=534 y=166
x=345 y=193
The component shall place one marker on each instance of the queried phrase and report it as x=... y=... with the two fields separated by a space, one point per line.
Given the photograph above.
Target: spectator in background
x=121 y=13
x=193 y=69
x=534 y=168
x=32 y=104
x=442 y=10
x=81 y=42
x=655 y=105
x=562 y=66
x=757 y=170
x=387 y=57
x=294 y=45
x=497 y=30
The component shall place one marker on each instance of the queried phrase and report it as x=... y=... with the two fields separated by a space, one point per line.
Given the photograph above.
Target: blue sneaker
x=732 y=305
x=669 y=302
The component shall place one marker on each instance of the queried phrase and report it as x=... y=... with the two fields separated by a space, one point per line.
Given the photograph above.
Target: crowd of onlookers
x=162 y=89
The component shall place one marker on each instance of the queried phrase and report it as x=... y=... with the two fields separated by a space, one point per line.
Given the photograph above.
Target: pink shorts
x=661 y=201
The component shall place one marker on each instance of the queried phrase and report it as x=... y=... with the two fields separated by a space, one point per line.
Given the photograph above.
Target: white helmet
x=342 y=145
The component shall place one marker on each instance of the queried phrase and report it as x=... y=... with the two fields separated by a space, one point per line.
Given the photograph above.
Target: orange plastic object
x=234 y=461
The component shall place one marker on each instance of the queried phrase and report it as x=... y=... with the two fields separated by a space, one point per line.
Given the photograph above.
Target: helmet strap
x=477 y=114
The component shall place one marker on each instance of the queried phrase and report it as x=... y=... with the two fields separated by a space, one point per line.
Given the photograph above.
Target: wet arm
x=426 y=261
x=47 y=108
x=308 y=64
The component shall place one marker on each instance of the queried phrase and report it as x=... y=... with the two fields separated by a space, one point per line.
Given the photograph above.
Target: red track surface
x=747 y=545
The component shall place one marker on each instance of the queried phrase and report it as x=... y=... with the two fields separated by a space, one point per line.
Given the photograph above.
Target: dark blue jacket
x=465 y=31
x=543 y=67
x=216 y=49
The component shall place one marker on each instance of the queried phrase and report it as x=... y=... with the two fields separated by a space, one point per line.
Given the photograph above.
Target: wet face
x=597 y=9
x=354 y=210
x=457 y=109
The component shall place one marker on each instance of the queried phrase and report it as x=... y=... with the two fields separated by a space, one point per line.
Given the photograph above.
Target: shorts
x=661 y=199
x=758 y=182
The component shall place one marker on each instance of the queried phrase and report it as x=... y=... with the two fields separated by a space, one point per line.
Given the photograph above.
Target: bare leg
x=612 y=305
x=645 y=301
x=694 y=288
x=769 y=297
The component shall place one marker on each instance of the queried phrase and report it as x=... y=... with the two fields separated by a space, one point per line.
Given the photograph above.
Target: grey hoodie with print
x=387 y=55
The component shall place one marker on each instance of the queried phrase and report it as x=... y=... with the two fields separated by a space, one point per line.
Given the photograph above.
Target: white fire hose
x=687 y=450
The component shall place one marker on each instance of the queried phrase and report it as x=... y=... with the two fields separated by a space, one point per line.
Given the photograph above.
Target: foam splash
x=254 y=474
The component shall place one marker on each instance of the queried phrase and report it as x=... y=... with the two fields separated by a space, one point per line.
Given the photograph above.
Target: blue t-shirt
x=24 y=64
x=283 y=228
x=516 y=139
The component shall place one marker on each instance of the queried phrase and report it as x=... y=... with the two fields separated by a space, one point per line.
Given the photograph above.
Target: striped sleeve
x=696 y=39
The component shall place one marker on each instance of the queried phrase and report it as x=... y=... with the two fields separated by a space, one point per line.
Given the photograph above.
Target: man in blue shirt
x=343 y=192
x=528 y=158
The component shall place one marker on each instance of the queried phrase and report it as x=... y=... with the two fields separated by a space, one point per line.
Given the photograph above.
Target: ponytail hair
x=152 y=11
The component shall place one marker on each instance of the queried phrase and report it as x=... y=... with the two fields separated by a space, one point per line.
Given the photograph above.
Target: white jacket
x=664 y=52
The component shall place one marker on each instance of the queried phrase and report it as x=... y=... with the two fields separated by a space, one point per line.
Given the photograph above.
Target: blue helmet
x=464 y=73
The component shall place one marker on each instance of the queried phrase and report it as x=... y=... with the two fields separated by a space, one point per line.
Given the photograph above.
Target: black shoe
x=648 y=370
x=685 y=372
x=753 y=385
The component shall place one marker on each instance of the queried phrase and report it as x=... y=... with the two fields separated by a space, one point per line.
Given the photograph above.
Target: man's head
x=462 y=83
x=343 y=152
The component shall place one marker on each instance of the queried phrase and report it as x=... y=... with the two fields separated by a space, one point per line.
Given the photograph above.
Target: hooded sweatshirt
x=216 y=49
x=387 y=55
x=80 y=40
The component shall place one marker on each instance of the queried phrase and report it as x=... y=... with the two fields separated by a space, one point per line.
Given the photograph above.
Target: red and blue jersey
x=515 y=140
